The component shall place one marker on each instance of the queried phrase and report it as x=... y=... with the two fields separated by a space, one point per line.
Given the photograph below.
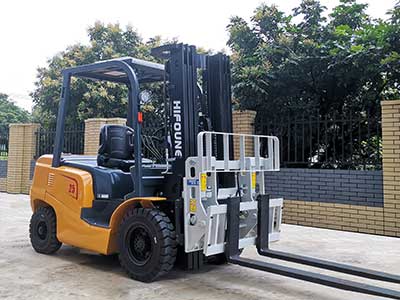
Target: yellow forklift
x=199 y=201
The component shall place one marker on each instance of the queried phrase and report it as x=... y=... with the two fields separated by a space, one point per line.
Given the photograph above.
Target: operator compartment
x=113 y=175
x=112 y=169
x=215 y=176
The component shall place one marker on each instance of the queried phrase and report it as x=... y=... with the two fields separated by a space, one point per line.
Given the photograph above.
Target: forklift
x=204 y=199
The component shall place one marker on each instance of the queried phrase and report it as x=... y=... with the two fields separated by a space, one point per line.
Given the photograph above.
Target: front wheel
x=147 y=244
x=43 y=231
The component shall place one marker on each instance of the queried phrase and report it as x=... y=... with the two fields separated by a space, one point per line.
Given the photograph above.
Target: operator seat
x=116 y=147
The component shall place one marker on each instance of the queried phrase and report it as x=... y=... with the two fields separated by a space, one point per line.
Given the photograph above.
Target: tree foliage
x=348 y=60
x=89 y=98
x=11 y=113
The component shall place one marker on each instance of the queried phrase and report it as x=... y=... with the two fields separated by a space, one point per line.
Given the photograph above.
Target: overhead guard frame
x=128 y=71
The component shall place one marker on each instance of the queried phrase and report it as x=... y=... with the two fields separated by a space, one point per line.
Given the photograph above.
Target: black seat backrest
x=116 y=141
x=116 y=146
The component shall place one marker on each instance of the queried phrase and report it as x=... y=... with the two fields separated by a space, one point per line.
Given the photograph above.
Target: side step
x=232 y=253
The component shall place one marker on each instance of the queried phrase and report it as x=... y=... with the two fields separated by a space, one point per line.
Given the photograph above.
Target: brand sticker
x=192 y=182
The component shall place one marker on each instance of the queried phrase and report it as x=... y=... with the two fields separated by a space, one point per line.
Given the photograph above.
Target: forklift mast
x=198 y=91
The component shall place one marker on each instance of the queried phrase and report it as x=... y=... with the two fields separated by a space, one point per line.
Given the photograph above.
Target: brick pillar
x=391 y=166
x=92 y=131
x=243 y=122
x=21 y=150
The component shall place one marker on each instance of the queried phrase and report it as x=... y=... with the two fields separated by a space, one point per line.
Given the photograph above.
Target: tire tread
x=168 y=247
x=54 y=244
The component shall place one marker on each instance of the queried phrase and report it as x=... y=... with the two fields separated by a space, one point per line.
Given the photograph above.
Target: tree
x=293 y=66
x=346 y=61
x=11 y=113
x=91 y=99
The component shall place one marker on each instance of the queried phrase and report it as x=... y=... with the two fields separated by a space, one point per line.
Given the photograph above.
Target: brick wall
x=3 y=184
x=19 y=168
x=364 y=219
x=334 y=199
x=327 y=186
x=243 y=122
x=343 y=200
x=391 y=165
x=21 y=150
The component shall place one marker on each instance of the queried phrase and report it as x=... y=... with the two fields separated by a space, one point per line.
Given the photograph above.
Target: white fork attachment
x=205 y=202
x=216 y=225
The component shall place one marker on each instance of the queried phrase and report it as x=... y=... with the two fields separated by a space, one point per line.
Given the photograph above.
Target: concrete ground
x=72 y=274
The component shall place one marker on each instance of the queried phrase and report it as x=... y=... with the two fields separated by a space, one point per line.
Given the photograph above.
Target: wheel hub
x=140 y=246
x=42 y=230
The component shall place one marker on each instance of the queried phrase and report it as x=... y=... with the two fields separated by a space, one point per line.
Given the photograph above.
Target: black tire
x=43 y=231
x=147 y=244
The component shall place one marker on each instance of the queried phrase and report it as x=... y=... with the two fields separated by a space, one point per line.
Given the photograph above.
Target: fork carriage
x=205 y=200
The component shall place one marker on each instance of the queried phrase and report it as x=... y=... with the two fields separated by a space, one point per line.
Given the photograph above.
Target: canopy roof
x=109 y=70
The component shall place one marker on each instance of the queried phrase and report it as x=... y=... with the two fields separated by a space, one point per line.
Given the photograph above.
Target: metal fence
x=74 y=140
x=4 y=137
x=346 y=141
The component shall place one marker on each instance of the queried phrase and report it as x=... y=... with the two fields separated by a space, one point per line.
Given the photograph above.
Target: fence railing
x=4 y=137
x=345 y=141
x=74 y=140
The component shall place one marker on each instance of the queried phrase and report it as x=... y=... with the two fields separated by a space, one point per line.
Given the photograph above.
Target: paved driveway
x=72 y=274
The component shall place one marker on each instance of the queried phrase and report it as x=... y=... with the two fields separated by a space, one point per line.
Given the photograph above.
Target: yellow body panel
x=67 y=190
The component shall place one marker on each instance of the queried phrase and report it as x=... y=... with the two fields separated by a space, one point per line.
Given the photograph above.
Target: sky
x=31 y=32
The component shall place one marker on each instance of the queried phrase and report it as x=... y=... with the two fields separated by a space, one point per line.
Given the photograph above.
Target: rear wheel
x=43 y=231
x=147 y=244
